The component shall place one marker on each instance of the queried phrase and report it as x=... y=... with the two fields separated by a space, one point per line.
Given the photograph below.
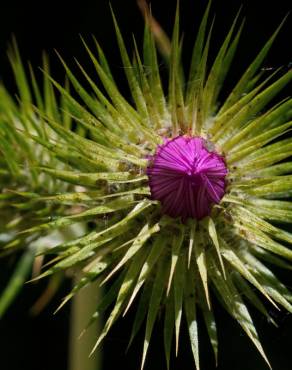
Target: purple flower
x=186 y=177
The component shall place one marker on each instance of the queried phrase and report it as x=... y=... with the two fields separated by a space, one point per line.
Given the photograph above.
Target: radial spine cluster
x=174 y=194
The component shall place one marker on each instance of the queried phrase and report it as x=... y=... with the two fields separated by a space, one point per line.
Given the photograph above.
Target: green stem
x=83 y=306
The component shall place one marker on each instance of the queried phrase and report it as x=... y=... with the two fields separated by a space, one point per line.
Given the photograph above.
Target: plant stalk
x=82 y=308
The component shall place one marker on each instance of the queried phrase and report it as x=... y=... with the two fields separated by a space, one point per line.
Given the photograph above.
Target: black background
x=40 y=343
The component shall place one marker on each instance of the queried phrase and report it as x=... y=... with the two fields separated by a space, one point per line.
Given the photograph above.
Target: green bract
x=20 y=178
x=169 y=266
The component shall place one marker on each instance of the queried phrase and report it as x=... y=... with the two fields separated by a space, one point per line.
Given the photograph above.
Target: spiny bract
x=21 y=179
x=172 y=253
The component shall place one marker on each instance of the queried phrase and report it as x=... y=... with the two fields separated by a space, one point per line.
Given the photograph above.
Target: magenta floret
x=186 y=177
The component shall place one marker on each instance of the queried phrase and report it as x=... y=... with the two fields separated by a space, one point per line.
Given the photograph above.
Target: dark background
x=40 y=343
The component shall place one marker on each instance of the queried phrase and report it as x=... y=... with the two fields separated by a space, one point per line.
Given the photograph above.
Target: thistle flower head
x=220 y=180
x=186 y=177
